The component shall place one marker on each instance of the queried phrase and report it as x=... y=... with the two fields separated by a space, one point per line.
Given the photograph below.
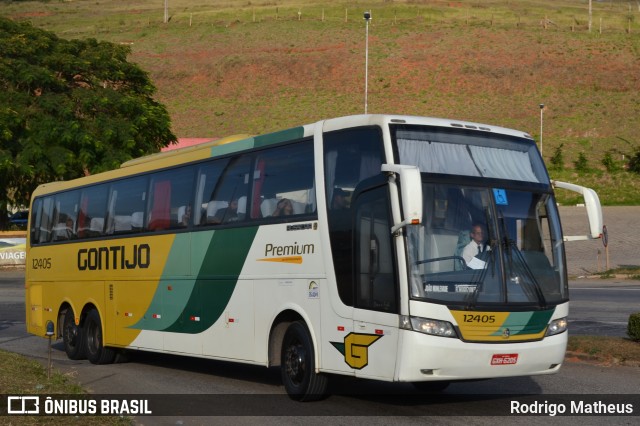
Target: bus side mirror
x=594 y=210
x=410 y=193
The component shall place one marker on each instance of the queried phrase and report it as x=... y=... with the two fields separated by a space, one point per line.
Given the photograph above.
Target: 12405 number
x=41 y=263
x=486 y=319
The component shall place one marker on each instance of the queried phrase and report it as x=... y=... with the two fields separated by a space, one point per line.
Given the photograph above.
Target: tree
x=70 y=108
x=609 y=163
x=633 y=163
x=581 y=164
x=557 y=161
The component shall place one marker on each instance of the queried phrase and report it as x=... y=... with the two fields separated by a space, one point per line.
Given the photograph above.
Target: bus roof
x=241 y=142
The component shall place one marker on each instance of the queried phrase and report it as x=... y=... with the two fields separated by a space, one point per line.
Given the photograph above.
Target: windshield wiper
x=479 y=282
x=528 y=278
x=489 y=263
x=523 y=275
x=518 y=271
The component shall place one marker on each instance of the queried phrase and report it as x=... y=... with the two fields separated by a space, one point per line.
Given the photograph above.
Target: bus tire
x=431 y=387
x=72 y=336
x=97 y=353
x=297 y=366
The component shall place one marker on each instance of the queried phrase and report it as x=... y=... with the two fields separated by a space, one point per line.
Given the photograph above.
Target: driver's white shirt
x=471 y=250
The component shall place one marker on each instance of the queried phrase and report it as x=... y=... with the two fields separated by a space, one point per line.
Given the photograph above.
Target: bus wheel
x=72 y=336
x=430 y=387
x=97 y=353
x=297 y=366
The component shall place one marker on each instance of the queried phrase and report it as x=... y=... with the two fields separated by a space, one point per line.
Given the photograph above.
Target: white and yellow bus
x=332 y=248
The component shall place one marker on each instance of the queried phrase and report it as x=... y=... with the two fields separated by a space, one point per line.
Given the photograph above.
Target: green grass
x=631 y=272
x=236 y=66
x=614 y=189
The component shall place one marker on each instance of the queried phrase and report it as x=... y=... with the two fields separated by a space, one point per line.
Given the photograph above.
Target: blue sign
x=501 y=197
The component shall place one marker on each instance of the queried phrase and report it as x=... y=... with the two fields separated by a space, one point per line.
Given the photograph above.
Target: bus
x=334 y=248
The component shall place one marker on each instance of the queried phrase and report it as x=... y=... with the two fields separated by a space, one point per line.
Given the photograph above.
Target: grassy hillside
x=255 y=66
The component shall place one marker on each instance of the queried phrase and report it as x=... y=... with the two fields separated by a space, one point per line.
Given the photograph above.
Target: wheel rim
x=71 y=334
x=296 y=362
x=93 y=337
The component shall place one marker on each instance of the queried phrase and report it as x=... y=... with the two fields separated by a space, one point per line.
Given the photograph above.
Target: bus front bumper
x=430 y=358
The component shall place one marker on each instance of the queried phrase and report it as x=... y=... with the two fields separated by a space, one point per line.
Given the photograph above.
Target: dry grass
x=23 y=376
x=234 y=67
x=605 y=350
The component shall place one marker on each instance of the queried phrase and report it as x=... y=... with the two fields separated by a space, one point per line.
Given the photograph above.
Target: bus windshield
x=491 y=234
x=482 y=246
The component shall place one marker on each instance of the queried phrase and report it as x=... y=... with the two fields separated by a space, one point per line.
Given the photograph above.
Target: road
x=602 y=307
x=227 y=389
x=585 y=258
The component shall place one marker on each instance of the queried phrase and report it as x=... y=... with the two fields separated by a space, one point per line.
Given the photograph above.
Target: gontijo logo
x=114 y=257
x=355 y=348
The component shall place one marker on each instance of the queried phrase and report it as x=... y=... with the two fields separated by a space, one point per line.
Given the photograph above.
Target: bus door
x=376 y=301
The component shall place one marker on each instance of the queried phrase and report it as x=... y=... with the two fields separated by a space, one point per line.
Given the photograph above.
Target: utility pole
x=166 y=11
x=541 y=114
x=367 y=18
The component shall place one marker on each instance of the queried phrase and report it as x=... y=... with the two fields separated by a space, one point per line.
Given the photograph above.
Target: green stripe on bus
x=284 y=135
x=216 y=279
x=258 y=141
x=172 y=288
x=231 y=147
x=193 y=305
x=539 y=321
x=522 y=323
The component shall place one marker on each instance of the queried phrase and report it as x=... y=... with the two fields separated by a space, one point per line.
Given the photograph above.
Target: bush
x=634 y=162
x=610 y=164
x=581 y=164
x=633 y=329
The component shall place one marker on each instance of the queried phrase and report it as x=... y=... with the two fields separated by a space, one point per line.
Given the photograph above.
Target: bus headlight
x=428 y=326
x=557 y=326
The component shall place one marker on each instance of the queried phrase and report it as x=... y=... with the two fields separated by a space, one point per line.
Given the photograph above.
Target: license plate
x=504 y=359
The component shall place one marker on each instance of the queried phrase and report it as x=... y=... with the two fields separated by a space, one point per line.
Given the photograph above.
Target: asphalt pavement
x=585 y=258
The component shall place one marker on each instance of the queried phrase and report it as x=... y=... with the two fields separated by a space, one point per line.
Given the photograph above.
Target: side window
x=171 y=199
x=36 y=220
x=65 y=214
x=375 y=271
x=350 y=156
x=126 y=206
x=93 y=210
x=283 y=182
x=207 y=178
x=227 y=202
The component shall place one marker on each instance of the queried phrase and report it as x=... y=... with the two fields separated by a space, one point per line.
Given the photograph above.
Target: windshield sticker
x=501 y=197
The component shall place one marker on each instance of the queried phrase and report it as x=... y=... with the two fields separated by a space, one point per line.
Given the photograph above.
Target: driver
x=477 y=245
